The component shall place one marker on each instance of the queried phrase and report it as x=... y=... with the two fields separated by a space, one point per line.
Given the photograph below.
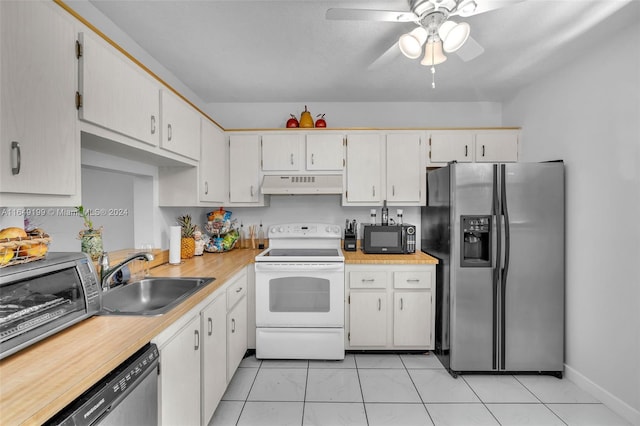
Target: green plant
x=85 y=216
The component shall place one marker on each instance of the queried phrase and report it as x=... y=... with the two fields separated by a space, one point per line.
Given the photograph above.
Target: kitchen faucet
x=106 y=274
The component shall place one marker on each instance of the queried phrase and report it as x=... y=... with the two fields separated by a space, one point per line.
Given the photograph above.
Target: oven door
x=299 y=294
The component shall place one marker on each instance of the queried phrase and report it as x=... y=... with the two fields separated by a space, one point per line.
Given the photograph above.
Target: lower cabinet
x=199 y=354
x=390 y=306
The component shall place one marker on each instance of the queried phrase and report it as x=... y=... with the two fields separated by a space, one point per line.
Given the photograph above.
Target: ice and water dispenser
x=476 y=241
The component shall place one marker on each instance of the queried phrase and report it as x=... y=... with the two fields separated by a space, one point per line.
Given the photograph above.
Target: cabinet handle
x=291 y=159
x=373 y=188
x=368 y=280
x=197 y=339
x=169 y=132
x=239 y=290
x=401 y=304
x=466 y=150
x=210 y=322
x=15 y=147
x=393 y=190
x=413 y=280
x=233 y=325
x=206 y=188
x=483 y=150
x=251 y=190
x=153 y=124
x=379 y=304
x=312 y=158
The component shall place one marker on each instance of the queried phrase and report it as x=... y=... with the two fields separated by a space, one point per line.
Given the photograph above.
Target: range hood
x=302 y=184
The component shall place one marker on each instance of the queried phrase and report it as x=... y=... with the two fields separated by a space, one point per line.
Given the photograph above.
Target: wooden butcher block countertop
x=39 y=381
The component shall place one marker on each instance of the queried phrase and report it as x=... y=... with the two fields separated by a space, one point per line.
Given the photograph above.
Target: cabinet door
x=180 y=376
x=325 y=152
x=364 y=169
x=37 y=111
x=404 y=168
x=451 y=146
x=180 y=126
x=367 y=318
x=412 y=318
x=214 y=355
x=213 y=166
x=116 y=94
x=280 y=152
x=244 y=169
x=497 y=147
x=236 y=336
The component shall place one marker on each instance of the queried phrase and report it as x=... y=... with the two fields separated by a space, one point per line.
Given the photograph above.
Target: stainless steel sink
x=150 y=296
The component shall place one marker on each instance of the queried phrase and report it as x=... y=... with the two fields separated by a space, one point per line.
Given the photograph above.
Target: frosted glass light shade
x=433 y=54
x=455 y=37
x=411 y=43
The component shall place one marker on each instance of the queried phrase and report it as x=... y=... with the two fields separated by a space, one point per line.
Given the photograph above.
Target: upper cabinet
x=39 y=147
x=364 y=169
x=405 y=169
x=244 y=170
x=114 y=93
x=492 y=146
x=180 y=126
x=300 y=152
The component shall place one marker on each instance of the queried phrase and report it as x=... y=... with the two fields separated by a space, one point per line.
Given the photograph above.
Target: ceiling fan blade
x=471 y=49
x=390 y=55
x=486 y=6
x=370 y=15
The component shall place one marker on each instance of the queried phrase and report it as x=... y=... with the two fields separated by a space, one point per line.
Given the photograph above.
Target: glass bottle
x=399 y=214
x=242 y=239
x=260 y=237
x=385 y=213
x=373 y=216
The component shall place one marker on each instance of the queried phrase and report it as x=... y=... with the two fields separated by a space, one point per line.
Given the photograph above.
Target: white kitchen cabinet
x=244 y=170
x=325 y=151
x=496 y=147
x=465 y=146
x=213 y=326
x=205 y=184
x=179 y=385
x=390 y=306
x=367 y=318
x=213 y=166
x=116 y=94
x=405 y=169
x=180 y=126
x=236 y=322
x=412 y=318
x=39 y=146
x=281 y=152
x=364 y=169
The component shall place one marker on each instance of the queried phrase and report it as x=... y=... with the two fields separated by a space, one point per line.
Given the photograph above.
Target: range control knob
x=273 y=230
x=281 y=229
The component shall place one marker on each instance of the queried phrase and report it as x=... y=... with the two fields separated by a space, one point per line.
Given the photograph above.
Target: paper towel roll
x=174 y=245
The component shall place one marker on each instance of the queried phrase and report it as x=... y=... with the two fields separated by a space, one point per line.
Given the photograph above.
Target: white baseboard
x=607 y=398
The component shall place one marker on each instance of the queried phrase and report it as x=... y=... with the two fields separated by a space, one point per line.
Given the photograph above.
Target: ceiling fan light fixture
x=455 y=37
x=411 y=43
x=433 y=54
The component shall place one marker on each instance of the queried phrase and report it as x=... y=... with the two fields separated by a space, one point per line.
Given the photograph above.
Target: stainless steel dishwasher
x=126 y=396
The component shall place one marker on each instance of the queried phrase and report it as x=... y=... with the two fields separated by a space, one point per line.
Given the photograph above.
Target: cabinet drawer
x=236 y=291
x=412 y=279
x=364 y=279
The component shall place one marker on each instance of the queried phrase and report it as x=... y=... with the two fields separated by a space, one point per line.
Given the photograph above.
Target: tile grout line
x=542 y=402
x=480 y=399
x=244 y=403
x=416 y=388
x=364 y=406
x=304 y=397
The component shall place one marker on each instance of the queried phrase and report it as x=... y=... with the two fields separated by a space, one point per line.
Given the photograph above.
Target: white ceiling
x=286 y=51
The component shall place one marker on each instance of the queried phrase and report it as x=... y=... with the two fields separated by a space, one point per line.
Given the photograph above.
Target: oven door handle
x=284 y=267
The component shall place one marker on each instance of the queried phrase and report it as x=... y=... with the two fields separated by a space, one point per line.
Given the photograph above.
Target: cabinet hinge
x=349 y=300
x=78 y=100
x=158 y=369
x=344 y=163
x=78 y=49
x=349 y=336
x=344 y=141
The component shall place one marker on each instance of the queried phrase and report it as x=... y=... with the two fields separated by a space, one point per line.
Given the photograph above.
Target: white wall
x=588 y=114
x=360 y=114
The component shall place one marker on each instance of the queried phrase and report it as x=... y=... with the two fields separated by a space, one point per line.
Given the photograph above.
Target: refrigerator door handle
x=497 y=264
x=505 y=268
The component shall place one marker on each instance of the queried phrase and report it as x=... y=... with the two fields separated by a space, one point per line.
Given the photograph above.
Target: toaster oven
x=40 y=298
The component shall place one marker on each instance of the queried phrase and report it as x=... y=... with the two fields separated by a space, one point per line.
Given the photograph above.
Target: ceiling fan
x=435 y=30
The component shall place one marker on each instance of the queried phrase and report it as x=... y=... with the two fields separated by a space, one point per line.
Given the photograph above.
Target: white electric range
x=300 y=293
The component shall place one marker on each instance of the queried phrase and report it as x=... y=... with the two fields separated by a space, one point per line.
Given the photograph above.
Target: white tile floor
x=398 y=390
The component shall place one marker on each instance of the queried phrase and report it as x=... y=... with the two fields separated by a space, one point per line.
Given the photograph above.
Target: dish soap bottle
x=260 y=237
x=385 y=213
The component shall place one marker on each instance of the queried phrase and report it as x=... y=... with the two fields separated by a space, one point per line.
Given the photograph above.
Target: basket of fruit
x=17 y=246
x=222 y=230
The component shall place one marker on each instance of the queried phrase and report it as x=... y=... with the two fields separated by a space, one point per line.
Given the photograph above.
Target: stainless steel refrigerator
x=498 y=231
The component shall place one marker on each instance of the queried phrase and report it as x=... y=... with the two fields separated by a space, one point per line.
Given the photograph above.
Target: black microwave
x=388 y=239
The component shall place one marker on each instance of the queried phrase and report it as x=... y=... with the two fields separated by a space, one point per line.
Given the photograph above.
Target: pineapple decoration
x=187 y=241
